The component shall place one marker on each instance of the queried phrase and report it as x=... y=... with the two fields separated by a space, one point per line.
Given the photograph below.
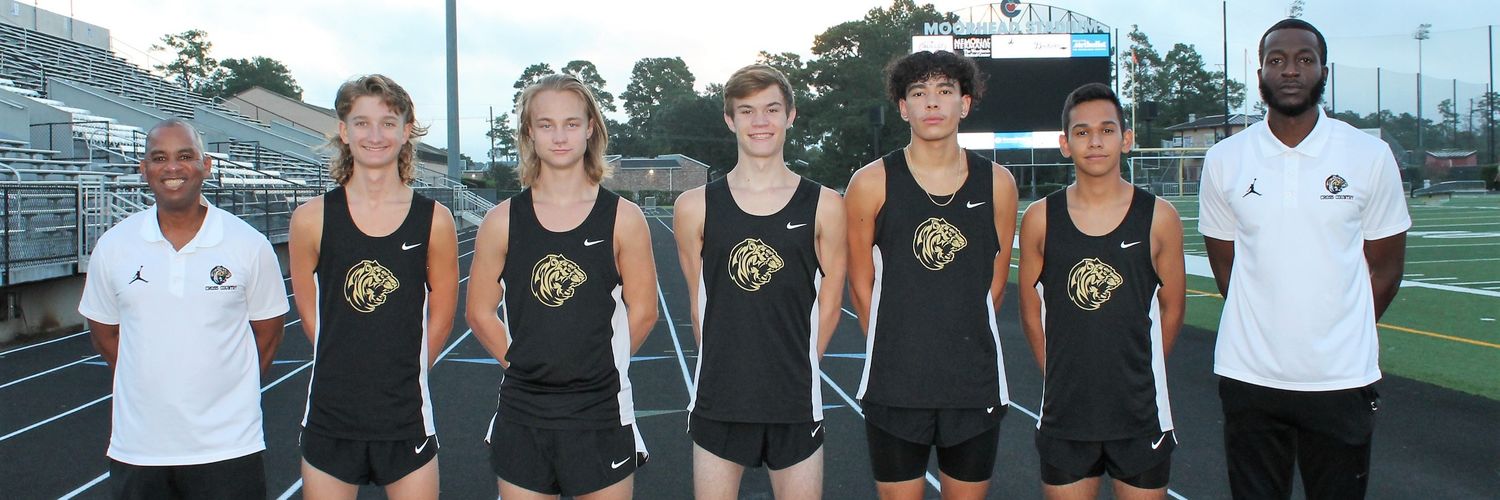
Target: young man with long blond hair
x=572 y=263
x=375 y=270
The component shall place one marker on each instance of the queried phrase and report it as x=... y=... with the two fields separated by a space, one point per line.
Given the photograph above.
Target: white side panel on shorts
x=989 y=307
x=619 y=342
x=698 y=366
x=864 y=378
x=317 y=327
x=429 y=424
x=1159 y=366
x=812 y=348
x=1041 y=406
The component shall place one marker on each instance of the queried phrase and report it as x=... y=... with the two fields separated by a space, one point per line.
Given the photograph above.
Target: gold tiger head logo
x=1091 y=283
x=937 y=243
x=368 y=284
x=555 y=279
x=752 y=262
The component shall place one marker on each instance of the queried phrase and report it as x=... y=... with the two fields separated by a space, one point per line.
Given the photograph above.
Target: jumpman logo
x=138 y=276
x=1252 y=189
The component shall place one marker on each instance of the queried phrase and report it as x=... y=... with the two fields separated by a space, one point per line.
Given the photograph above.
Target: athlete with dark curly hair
x=926 y=281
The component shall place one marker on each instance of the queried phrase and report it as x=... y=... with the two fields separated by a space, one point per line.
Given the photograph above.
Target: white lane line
x=1445 y=278
x=687 y=377
x=38 y=374
x=86 y=486
x=39 y=344
x=58 y=416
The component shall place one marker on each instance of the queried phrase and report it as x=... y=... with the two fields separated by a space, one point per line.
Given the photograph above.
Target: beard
x=1275 y=102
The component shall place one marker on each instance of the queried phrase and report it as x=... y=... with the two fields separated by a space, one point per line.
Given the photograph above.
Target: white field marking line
x=1430 y=226
x=1409 y=247
x=1476 y=282
x=1445 y=278
x=38 y=374
x=1448 y=261
x=1408 y=275
x=293 y=489
x=672 y=329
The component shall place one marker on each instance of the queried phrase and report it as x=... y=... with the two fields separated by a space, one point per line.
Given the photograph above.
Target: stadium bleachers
x=72 y=169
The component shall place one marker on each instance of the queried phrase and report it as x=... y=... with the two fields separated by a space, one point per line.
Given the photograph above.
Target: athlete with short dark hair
x=1103 y=291
x=930 y=231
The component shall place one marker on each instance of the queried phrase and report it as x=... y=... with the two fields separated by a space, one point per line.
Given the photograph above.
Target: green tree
x=848 y=80
x=653 y=82
x=503 y=174
x=529 y=76
x=191 y=65
x=237 y=75
x=504 y=136
x=587 y=73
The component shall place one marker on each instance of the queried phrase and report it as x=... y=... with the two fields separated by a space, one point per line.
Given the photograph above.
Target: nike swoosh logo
x=795 y=226
x=989 y=410
x=973 y=204
x=409 y=247
x=616 y=465
x=1157 y=444
x=816 y=429
x=424 y=445
x=588 y=243
x=1128 y=245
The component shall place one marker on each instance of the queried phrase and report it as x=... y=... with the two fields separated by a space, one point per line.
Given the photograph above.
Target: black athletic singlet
x=369 y=377
x=570 y=338
x=1106 y=375
x=932 y=340
x=758 y=300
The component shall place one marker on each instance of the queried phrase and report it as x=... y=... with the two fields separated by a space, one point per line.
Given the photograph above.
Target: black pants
x=236 y=478
x=1325 y=434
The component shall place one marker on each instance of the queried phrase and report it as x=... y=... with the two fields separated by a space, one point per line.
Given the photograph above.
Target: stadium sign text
x=1004 y=28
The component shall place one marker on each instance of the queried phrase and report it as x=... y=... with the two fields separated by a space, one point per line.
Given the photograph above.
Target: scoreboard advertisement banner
x=1027 y=76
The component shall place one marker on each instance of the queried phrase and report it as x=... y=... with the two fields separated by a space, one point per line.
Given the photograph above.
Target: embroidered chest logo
x=751 y=264
x=1335 y=185
x=368 y=284
x=555 y=279
x=1252 y=190
x=138 y=276
x=219 y=275
x=937 y=243
x=1091 y=283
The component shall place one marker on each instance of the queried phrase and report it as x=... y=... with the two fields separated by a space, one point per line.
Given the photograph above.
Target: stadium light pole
x=455 y=166
x=1224 y=24
x=1423 y=33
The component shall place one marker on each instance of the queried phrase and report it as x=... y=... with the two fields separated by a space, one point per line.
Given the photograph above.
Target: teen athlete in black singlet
x=573 y=263
x=930 y=230
x=375 y=270
x=762 y=250
x=1102 y=295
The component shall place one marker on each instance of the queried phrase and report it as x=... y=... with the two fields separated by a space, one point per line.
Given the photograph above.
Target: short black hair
x=1091 y=92
x=1293 y=23
x=921 y=66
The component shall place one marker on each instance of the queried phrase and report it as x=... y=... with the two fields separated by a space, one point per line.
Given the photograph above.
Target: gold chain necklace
x=951 y=196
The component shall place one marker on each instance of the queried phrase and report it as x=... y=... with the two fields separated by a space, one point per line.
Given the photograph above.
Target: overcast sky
x=325 y=42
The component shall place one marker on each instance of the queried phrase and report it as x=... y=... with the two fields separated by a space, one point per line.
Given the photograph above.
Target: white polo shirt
x=187 y=379
x=1300 y=314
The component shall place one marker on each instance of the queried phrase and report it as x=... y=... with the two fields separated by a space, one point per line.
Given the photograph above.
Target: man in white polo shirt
x=185 y=303
x=1305 y=226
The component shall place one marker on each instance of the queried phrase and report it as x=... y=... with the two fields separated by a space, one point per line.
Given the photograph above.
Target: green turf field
x=1444 y=327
